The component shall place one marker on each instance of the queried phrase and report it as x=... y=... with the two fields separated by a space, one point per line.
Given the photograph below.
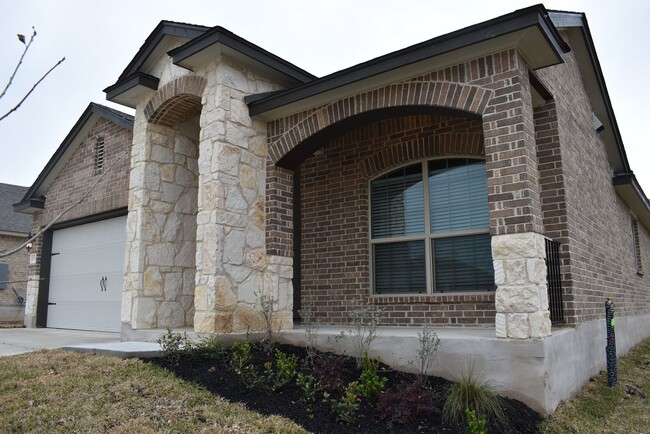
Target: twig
x=5 y=253
x=11 y=79
x=31 y=90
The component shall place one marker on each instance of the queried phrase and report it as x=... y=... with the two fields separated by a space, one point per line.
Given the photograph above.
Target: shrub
x=470 y=392
x=210 y=347
x=270 y=378
x=406 y=402
x=174 y=345
x=310 y=387
x=312 y=327
x=347 y=407
x=427 y=350
x=240 y=356
x=365 y=321
x=327 y=368
x=370 y=383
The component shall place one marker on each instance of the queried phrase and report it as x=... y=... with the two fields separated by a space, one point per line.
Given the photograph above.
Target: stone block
x=516 y=299
x=161 y=254
x=171 y=192
x=516 y=246
x=500 y=325
x=233 y=249
x=225 y=300
x=162 y=154
x=499 y=273
x=247 y=319
x=152 y=285
x=256 y=259
x=235 y=201
x=515 y=271
x=201 y=298
x=171 y=314
x=518 y=326
x=172 y=285
x=237 y=273
x=536 y=269
x=247 y=177
x=249 y=290
x=144 y=313
x=540 y=324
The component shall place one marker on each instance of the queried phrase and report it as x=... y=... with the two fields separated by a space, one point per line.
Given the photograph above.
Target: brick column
x=515 y=210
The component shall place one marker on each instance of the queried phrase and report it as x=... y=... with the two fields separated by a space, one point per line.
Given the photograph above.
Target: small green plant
x=312 y=327
x=475 y=425
x=310 y=387
x=427 y=350
x=267 y=304
x=271 y=378
x=209 y=347
x=240 y=356
x=370 y=383
x=174 y=345
x=469 y=391
x=347 y=408
x=365 y=322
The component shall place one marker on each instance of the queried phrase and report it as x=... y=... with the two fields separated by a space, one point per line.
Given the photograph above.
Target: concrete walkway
x=18 y=341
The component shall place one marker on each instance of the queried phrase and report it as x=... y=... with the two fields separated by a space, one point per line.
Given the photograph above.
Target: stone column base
x=520 y=275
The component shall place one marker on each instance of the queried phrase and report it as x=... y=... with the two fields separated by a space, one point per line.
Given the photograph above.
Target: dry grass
x=60 y=391
x=624 y=408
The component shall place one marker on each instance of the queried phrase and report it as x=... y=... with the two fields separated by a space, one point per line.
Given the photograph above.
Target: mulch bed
x=213 y=374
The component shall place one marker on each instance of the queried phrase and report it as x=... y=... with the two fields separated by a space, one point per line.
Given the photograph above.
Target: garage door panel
x=86 y=276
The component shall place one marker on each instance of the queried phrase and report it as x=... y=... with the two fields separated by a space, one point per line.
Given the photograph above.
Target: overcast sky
x=99 y=38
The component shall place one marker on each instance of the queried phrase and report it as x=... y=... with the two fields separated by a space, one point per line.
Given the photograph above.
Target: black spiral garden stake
x=610 y=350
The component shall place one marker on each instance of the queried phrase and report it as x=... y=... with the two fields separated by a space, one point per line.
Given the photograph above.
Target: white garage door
x=86 y=275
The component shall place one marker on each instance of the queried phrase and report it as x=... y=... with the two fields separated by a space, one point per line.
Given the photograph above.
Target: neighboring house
x=14 y=229
x=475 y=181
x=77 y=280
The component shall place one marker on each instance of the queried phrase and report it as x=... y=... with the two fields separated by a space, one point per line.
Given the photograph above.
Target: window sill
x=460 y=297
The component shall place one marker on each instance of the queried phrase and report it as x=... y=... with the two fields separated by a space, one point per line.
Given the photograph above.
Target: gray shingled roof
x=11 y=221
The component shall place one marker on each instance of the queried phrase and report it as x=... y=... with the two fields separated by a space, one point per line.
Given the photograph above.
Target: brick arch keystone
x=176 y=101
x=460 y=97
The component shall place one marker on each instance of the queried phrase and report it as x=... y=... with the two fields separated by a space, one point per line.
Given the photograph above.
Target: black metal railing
x=554 y=281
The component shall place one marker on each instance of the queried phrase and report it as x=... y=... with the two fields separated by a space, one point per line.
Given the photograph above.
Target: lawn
x=624 y=408
x=60 y=391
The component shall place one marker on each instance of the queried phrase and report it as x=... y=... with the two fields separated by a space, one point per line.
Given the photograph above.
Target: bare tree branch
x=5 y=253
x=11 y=79
x=31 y=90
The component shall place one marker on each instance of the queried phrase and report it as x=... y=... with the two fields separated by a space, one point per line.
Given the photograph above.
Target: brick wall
x=17 y=269
x=599 y=236
x=78 y=175
x=335 y=253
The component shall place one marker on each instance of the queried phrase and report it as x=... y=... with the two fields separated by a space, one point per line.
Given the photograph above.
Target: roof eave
x=131 y=89
x=93 y=110
x=30 y=205
x=627 y=186
x=544 y=47
x=211 y=45
x=595 y=83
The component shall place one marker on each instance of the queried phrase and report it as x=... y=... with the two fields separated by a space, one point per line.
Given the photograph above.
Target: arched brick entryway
x=177 y=101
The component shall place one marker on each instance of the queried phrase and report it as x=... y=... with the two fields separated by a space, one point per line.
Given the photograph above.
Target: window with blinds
x=429 y=228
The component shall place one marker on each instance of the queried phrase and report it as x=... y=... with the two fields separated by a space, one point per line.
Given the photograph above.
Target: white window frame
x=427 y=237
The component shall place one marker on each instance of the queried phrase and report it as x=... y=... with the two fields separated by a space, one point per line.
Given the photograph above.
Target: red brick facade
x=592 y=222
x=547 y=170
x=335 y=253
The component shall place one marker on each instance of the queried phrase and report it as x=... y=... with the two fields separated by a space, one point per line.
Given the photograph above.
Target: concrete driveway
x=17 y=341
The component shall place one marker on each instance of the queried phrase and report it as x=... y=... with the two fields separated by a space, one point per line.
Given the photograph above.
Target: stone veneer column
x=518 y=249
x=232 y=266
x=161 y=231
x=520 y=276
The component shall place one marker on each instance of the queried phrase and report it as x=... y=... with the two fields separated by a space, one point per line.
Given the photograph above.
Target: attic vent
x=637 y=246
x=99 y=155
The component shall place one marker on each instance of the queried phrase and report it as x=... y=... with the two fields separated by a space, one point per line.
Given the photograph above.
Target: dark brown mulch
x=213 y=374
